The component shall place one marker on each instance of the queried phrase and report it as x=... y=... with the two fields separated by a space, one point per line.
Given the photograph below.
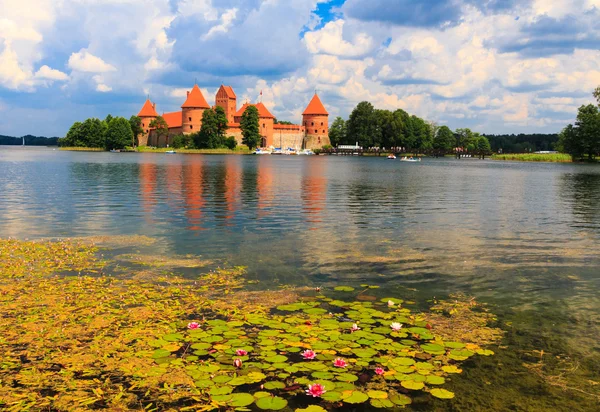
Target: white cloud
x=47 y=73
x=103 y=88
x=227 y=19
x=85 y=61
x=330 y=40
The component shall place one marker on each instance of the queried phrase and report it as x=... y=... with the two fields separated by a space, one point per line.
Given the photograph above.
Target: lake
x=523 y=238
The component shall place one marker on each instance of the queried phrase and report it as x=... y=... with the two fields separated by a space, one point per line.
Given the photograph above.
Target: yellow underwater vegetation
x=73 y=343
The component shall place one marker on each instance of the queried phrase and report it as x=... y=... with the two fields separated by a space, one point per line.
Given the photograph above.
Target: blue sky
x=496 y=66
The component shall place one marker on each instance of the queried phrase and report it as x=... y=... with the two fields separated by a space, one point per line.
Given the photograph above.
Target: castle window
x=312 y=124
x=321 y=123
x=191 y=127
x=316 y=131
x=323 y=131
x=264 y=126
x=190 y=118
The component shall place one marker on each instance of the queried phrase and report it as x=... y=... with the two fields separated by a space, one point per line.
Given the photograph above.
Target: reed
x=535 y=157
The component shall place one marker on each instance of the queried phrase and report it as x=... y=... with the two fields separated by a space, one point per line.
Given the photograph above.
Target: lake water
x=521 y=237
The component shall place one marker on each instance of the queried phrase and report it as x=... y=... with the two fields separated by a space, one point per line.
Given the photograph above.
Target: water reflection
x=581 y=192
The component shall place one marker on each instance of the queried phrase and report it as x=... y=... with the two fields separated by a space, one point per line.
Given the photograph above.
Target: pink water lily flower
x=237 y=363
x=340 y=363
x=379 y=371
x=315 y=390
x=396 y=326
x=355 y=328
x=241 y=352
x=193 y=325
x=309 y=354
x=390 y=303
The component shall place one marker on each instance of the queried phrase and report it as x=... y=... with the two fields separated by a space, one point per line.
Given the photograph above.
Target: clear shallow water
x=523 y=237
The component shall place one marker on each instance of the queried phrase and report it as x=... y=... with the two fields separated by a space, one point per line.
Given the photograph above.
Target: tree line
x=29 y=140
x=371 y=127
x=523 y=143
x=582 y=139
x=110 y=133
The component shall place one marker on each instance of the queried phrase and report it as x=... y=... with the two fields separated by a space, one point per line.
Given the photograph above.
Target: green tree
x=119 y=133
x=74 y=137
x=588 y=129
x=92 y=133
x=389 y=128
x=362 y=124
x=483 y=145
x=597 y=94
x=231 y=143
x=161 y=128
x=444 y=140
x=221 y=121
x=337 y=132
x=250 y=128
x=208 y=137
x=464 y=138
x=108 y=118
x=136 y=127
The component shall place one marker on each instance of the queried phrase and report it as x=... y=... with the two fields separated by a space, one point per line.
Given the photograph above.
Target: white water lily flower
x=396 y=326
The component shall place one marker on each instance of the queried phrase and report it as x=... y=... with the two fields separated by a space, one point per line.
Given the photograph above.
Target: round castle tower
x=315 y=120
x=192 y=111
x=147 y=114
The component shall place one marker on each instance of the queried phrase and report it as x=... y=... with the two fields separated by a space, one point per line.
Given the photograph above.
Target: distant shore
x=534 y=157
x=237 y=151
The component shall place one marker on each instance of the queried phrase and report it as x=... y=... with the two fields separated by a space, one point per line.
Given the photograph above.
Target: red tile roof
x=229 y=92
x=315 y=107
x=263 y=112
x=173 y=119
x=195 y=99
x=148 y=110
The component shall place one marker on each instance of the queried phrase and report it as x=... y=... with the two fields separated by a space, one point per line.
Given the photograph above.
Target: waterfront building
x=312 y=133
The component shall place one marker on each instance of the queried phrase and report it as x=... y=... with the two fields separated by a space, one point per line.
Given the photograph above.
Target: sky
x=495 y=66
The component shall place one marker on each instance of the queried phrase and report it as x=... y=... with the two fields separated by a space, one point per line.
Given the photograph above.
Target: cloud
x=330 y=40
x=227 y=19
x=417 y=13
x=46 y=73
x=103 y=88
x=84 y=61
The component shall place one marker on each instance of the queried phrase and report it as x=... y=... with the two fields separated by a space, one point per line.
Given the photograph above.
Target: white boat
x=306 y=152
x=277 y=151
x=170 y=152
x=261 y=151
x=391 y=157
x=290 y=151
x=410 y=159
x=115 y=151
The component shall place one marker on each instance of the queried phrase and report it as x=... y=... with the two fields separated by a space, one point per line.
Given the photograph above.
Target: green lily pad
x=161 y=353
x=221 y=390
x=377 y=394
x=344 y=288
x=435 y=380
x=399 y=399
x=274 y=403
x=332 y=396
x=412 y=385
x=357 y=397
x=276 y=359
x=241 y=399
x=312 y=408
x=442 y=393
x=274 y=385
x=381 y=403
x=346 y=377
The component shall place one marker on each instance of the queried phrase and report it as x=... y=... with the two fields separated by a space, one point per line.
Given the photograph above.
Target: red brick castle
x=313 y=133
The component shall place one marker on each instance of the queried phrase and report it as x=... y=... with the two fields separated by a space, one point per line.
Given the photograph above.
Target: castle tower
x=147 y=114
x=192 y=111
x=315 y=120
x=227 y=99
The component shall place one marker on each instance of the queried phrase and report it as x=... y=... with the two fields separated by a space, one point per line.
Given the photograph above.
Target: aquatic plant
x=80 y=342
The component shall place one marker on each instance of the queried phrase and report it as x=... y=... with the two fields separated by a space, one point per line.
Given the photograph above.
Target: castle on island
x=313 y=133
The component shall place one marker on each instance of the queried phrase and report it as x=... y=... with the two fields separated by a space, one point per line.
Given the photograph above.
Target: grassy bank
x=82 y=149
x=535 y=157
x=237 y=150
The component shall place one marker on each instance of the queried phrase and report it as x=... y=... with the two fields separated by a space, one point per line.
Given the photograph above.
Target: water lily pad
x=373 y=394
x=222 y=379
x=261 y=394
x=274 y=403
x=161 y=353
x=312 y=408
x=346 y=377
x=332 y=396
x=451 y=369
x=412 y=385
x=433 y=349
x=276 y=359
x=356 y=397
x=442 y=393
x=274 y=385
x=435 y=380
x=460 y=355
x=241 y=399
x=221 y=390
x=399 y=399
x=454 y=345
x=484 y=352
x=204 y=383
x=344 y=288
x=322 y=375
x=381 y=403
